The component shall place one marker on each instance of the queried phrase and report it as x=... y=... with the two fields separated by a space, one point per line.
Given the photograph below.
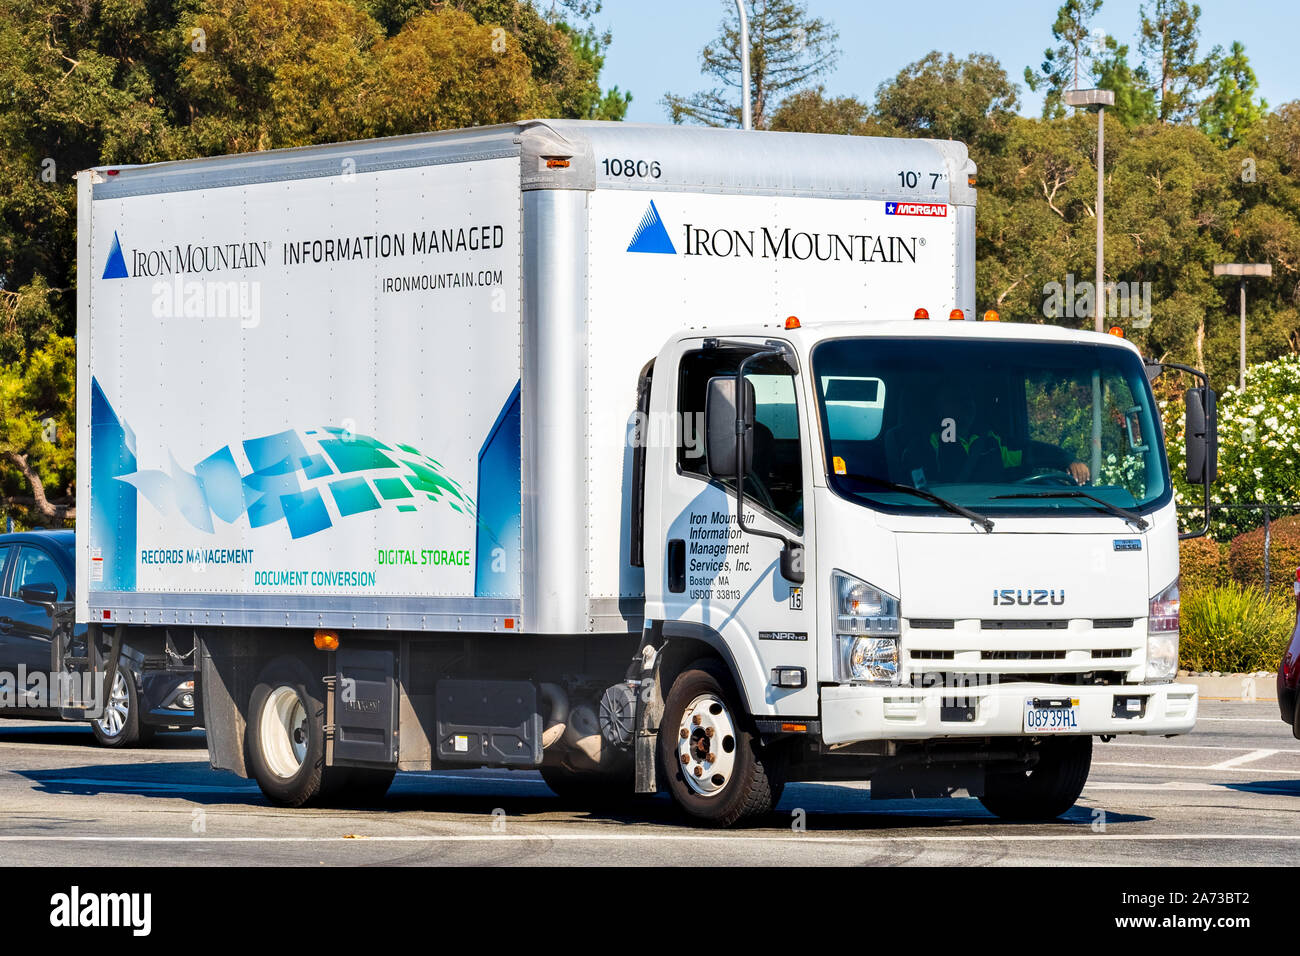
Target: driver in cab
x=960 y=450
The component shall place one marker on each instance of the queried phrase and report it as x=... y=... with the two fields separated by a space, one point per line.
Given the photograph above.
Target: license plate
x=1055 y=716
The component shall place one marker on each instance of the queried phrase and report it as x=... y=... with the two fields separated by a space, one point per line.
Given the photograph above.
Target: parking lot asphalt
x=1228 y=793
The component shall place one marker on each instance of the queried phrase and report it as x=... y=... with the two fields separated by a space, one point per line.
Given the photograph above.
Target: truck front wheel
x=713 y=763
x=285 y=739
x=1046 y=791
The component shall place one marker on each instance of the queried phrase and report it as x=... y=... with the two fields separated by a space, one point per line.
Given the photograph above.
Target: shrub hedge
x=1246 y=555
x=1202 y=563
x=1234 y=629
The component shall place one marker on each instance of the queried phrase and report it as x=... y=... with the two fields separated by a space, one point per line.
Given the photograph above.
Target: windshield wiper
x=1134 y=519
x=952 y=506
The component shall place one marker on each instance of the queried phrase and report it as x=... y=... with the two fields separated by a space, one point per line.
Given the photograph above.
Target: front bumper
x=853 y=713
x=160 y=699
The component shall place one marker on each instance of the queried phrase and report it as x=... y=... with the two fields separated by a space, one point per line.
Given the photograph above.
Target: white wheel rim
x=116 y=709
x=283 y=733
x=706 y=745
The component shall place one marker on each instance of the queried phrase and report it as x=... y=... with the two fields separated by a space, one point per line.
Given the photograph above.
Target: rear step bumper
x=853 y=713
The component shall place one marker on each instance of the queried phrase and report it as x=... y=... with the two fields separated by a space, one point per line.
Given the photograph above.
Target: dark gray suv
x=154 y=688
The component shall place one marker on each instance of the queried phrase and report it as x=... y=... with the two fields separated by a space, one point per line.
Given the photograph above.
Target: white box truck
x=429 y=448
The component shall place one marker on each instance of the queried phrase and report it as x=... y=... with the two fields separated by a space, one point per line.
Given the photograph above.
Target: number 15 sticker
x=796 y=599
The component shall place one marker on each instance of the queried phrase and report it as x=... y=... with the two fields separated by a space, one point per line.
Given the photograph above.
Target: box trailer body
x=410 y=400
x=276 y=302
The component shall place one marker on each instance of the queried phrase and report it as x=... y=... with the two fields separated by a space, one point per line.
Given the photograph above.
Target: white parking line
x=1135 y=744
x=1169 y=785
x=1170 y=766
x=1244 y=758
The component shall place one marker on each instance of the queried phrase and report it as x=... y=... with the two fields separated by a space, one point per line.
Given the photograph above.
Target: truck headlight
x=1162 y=636
x=866 y=631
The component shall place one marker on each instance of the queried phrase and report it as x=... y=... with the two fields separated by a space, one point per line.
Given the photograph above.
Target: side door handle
x=676 y=565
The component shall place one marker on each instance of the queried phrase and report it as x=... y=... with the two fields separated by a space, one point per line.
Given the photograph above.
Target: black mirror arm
x=1204 y=379
x=788 y=570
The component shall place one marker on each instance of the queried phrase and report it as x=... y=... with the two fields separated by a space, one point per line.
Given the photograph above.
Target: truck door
x=716 y=574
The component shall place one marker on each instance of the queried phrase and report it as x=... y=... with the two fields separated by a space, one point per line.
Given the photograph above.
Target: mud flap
x=362 y=709
x=649 y=709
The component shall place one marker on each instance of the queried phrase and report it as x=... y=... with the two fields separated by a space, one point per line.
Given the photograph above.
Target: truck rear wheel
x=285 y=739
x=713 y=762
x=1046 y=791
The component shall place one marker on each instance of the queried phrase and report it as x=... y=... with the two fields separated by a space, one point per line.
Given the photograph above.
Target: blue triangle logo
x=650 y=235
x=116 y=266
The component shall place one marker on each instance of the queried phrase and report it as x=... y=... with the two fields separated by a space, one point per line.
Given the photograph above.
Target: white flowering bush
x=1259 y=448
x=1126 y=471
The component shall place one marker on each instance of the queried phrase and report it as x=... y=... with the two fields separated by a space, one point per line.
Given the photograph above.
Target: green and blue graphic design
x=291 y=473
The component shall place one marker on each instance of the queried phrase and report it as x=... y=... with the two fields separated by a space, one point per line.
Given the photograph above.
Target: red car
x=1288 y=675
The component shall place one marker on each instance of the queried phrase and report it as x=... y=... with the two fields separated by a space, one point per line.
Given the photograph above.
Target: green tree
x=789 y=49
x=812 y=111
x=1233 y=107
x=564 y=59
x=263 y=74
x=564 y=51
x=1170 y=42
x=589 y=49
x=971 y=100
x=1135 y=99
x=442 y=71
x=1066 y=62
x=37 y=441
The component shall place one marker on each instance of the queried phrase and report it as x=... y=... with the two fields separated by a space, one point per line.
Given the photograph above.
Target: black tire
x=130 y=732
x=590 y=789
x=1049 y=789
x=755 y=782
x=296 y=743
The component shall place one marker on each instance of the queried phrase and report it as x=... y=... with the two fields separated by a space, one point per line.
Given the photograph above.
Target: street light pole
x=746 y=114
x=1241 y=348
x=1243 y=271
x=1099 y=99
x=1098 y=295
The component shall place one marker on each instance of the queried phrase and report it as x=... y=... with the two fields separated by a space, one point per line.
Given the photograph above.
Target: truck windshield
x=1000 y=427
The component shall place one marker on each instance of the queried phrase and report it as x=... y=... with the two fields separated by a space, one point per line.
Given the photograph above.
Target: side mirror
x=42 y=595
x=720 y=440
x=792 y=562
x=1202 y=436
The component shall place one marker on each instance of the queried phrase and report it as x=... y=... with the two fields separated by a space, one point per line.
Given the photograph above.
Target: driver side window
x=775 y=482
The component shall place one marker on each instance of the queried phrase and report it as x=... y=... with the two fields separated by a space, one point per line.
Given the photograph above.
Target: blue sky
x=656 y=45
